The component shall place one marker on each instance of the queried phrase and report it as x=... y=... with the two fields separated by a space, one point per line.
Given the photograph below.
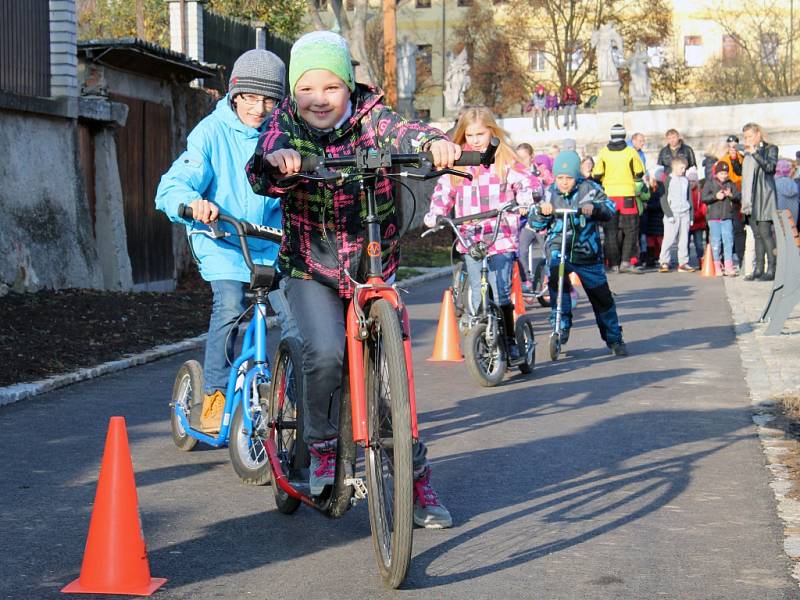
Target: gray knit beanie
x=618 y=132
x=258 y=72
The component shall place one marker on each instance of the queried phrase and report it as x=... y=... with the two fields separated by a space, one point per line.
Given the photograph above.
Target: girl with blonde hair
x=491 y=187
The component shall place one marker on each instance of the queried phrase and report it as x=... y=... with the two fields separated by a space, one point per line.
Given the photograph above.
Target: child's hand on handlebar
x=445 y=153
x=587 y=209
x=286 y=160
x=546 y=209
x=204 y=211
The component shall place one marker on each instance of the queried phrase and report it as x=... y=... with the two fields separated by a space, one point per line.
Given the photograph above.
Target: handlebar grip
x=310 y=163
x=489 y=214
x=488 y=154
x=185 y=212
x=469 y=158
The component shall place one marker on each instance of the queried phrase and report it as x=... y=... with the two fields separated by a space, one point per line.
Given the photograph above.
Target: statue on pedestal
x=640 y=79
x=456 y=82
x=606 y=41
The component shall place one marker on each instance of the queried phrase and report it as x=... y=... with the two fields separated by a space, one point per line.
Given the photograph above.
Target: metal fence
x=225 y=39
x=25 y=47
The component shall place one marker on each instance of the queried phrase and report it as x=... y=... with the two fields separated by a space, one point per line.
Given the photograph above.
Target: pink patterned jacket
x=485 y=192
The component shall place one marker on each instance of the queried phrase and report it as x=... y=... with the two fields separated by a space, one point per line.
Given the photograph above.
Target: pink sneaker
x=730 y=270
x=718 y=272
x=429 y=512
x=323 y=465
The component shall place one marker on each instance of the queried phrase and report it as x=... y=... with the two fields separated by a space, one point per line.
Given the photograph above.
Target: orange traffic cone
x=516 y=292
x=115 y=558
x=445 y=346
x=707 y=265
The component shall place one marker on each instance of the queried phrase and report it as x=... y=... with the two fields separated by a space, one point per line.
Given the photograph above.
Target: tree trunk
x=315 y=18
x=358 y=49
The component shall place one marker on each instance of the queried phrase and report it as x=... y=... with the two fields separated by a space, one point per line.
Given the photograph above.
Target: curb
x=19 y=391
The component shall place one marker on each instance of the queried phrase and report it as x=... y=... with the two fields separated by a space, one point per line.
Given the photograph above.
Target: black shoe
x=564 y=336
x=619 y=348
x=513 y=351
x=768 y=276
x=754 y=275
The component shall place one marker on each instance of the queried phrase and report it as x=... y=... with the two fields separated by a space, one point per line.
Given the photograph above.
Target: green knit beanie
x=567 y=163
x=321 y=50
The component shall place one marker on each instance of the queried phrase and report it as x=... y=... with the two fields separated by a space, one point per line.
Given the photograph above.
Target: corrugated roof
x=138 y=56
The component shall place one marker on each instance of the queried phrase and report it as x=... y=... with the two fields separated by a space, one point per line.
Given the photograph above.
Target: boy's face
x=722 y=176
x=678 y=169
x=478 y=136
x=253 y=109
x=321 y=98
x=565 y=183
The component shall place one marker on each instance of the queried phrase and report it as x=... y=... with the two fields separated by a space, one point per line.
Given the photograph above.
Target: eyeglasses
x=253 y=100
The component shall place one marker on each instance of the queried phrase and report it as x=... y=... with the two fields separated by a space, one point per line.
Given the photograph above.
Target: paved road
x=596 y=478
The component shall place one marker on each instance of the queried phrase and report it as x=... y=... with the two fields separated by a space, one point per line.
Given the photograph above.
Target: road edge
x=20 y=391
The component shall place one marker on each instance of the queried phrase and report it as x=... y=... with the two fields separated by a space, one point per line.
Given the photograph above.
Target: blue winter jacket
x=583 y=238
x=212 y=167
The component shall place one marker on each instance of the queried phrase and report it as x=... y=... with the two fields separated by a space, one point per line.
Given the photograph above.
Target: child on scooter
x=585 y=253
x=490 y=188
x=328 y=113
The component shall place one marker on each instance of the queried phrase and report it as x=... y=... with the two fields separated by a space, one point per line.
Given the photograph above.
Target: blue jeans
x=500 y=269
x=228 y=304
x=696 y=238
x=722 y=234
x=595 y=284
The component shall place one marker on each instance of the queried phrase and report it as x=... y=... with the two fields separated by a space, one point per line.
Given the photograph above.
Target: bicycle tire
x=486 y=365
x=342 y=493
x=523 y=331
x=249 y=453
x=286 y=412
x=388 y=456
x=540 y=285
x=187 y=391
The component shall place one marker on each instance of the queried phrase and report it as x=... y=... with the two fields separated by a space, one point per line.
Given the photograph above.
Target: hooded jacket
x=618 y=168
x=728 y=207
x=322 y=223
x=212 y=168
x=583 y=238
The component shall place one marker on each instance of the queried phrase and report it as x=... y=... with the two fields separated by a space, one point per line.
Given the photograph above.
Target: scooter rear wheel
x=187 y=395
x=523 y=331
x=555 y=346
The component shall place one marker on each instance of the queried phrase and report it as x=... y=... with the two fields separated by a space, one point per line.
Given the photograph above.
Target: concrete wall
x=46 y=238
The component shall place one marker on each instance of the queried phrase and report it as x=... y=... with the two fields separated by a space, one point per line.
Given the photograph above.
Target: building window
x=423 y=3
x=693 y=50
x=424 y=114
x=424 y=61
x=730 y=49
x=465 y=2
x=770 y=42
x=536 y=61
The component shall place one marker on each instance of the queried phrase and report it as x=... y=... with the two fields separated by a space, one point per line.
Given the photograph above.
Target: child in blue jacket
x=584 y=251
x=210 y=178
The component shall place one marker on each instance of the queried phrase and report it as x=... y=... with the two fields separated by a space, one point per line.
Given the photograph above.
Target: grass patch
x=405 y=273
x=790 y=403
x=431 y=251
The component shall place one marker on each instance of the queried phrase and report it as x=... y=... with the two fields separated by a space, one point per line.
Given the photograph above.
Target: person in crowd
x=722 y=198
x=538 y=101
x=759 y=199
x=553 y=151
x=327 y=113
x=654 y=217
x=492 y=187
x=674 y=147
x=544 y=164
x=786 y=188
x=583 y=242
x=570 y=101
x=528 y=239
x=698 y=228
x=714 y=151
x=619 y=168
x=677 y=206
x=637 y=142
x=587 y=166
x=209 y=178
x=551 y=107
x=734 y=158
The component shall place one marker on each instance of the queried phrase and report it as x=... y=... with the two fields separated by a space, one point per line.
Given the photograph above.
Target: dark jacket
x=763 y=201
x=666 y=155
x=654 y=215
x=323 y=229
x=583 y=238
x=726 y=208
x=665 y=200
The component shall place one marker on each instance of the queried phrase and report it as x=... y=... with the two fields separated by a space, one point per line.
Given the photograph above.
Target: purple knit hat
x=544 y=160
x=783 y=168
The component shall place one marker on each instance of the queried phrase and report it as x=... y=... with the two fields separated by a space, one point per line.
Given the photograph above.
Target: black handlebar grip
x=488 y=154
x=185 y=212
x=489 y=214
x=469 y=158
x=309 y=163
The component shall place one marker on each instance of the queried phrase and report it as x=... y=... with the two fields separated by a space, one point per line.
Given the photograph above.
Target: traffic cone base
x=708 y=269
x=115 y=558
x=516 y=292
x=445 y=346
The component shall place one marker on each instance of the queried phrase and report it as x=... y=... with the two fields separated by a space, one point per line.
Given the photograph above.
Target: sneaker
x=615 y=269
x=619 y=348
x=664 y=268
x=564 y=336
x=428 y=511
x=636 y=270
x=624 y=268
x=323 y=465
x=687 y=268
x=211 y=414
x=513 y=350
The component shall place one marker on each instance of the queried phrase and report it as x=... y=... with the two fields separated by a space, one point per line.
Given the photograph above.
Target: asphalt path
x=595 y=477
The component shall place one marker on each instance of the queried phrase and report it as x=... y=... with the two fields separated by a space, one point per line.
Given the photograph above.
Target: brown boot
x=211 y=415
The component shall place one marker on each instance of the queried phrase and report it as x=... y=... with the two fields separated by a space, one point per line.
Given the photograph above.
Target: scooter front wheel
x=485 y=362
x=526 y=343
x=555 y=346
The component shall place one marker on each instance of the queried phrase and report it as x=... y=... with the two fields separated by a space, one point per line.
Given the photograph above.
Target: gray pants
x=676 y=231
x=538 y=119
x=571 y=115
